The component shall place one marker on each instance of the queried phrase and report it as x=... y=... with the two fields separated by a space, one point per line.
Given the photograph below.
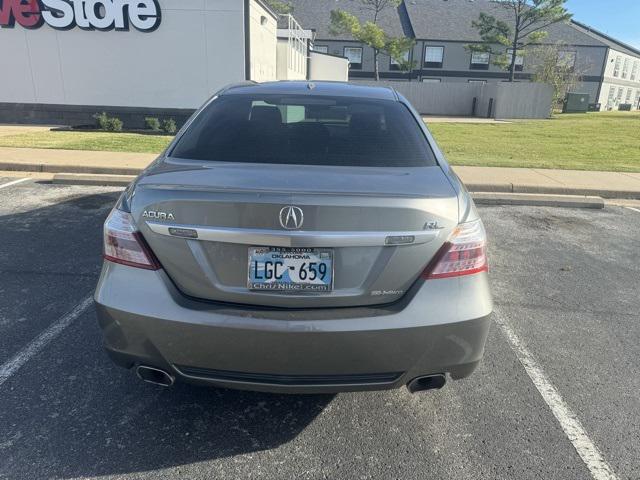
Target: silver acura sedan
x=297 y=237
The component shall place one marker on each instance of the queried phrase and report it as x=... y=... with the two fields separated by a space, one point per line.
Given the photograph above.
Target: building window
x=620 y=93
x=480 y=60
x=637 y=104
x=354 y=54
x=634 y=71
x=611 y=101
x=393 y=63
x=616 y=68
x=629 y=94
x=625 y=68
x=321 y=48
x=567 y=59
x=431 y=80
x=482 y=82
x=433 y=57
x=519 y=60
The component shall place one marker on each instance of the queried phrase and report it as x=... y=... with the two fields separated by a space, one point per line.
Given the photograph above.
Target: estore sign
x=143 y=15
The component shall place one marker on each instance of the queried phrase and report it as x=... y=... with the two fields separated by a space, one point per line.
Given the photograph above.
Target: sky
x=617 y=18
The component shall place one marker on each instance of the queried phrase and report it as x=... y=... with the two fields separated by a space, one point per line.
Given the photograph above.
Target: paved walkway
x=438 y=119
x=538 y=180
x=477 y=179
x=73 y=161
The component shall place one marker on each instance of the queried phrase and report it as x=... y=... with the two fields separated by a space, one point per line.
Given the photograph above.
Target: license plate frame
x=291 y=281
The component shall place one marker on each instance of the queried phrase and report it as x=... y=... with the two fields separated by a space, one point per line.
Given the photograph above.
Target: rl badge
x=144 y=15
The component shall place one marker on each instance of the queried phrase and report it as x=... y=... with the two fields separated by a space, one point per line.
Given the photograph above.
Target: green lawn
x=596 y=141
x=110 y=142
x=607 y=141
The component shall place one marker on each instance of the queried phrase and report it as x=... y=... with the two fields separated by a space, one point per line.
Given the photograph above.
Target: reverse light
x=124 y=244
x=465 y=253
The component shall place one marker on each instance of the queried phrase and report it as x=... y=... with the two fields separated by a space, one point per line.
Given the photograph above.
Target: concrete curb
x=94 y=180
x=490 y=187
x=46 y=168
x=538 y=200
x=546 y=190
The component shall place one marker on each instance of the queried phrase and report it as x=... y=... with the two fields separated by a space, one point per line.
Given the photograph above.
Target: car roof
x=336 y=89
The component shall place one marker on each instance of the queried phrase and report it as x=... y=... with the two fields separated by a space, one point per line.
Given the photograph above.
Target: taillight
x=465 y=253
x=123 y=243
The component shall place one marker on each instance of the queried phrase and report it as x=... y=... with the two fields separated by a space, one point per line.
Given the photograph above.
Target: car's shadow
x=68 y=412
x=122 y=425
x=95 y=419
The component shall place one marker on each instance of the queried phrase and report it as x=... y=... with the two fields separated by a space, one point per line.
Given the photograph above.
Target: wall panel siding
x=509 y=100
x=263 y=44
x=521 y=100
x=16 y=77
x=436 y=98
x=198 y=48
x=328 y=67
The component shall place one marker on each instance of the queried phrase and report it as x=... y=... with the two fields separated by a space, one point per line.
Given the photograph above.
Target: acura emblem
x=291 y=218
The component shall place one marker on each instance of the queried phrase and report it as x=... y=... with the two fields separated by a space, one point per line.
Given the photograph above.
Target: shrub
x=107 y=123
x=152 y=123
x=114 y=125
x=169 y=126
x=102 y=120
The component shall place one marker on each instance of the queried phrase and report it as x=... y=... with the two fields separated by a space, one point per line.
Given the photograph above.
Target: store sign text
x=143 y=15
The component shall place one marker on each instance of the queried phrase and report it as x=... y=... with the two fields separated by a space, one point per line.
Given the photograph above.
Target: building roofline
x=440 y=40
x=403 y=13
x=598 y=33
x=269 y=10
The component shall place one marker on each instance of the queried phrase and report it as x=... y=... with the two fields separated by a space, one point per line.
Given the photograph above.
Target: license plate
x=290 y=269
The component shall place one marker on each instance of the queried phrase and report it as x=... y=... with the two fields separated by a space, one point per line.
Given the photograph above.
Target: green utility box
x=576 y=103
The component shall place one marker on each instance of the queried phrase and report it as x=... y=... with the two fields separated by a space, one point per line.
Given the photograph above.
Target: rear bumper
x=441 y=329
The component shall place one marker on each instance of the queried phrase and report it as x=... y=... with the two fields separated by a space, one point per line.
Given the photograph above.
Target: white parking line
x=634 y=209
x=591 y=456
x=15 y=182
x=42 y=340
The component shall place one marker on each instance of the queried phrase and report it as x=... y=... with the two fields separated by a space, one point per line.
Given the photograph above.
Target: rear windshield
x=306 y=130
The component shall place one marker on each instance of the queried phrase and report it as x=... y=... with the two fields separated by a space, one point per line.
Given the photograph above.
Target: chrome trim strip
x=280 y=238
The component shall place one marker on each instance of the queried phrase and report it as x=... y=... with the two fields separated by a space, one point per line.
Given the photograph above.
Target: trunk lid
x=352 y=211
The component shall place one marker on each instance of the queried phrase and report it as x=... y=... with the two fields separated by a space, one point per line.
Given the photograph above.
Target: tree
x=406 y=65
x=524 y=25
x=552 y=65
x=370 y=33
x=280 y=7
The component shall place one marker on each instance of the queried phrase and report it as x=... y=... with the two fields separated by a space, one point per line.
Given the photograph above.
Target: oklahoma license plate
x=290 y=269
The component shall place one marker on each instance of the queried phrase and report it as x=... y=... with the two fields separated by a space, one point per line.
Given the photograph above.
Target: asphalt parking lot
x=555 y=398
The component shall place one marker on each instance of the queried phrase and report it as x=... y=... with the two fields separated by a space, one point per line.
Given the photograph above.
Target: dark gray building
x=443 y=28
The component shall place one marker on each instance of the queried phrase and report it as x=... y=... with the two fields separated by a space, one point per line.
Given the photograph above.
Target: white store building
x=64 y=60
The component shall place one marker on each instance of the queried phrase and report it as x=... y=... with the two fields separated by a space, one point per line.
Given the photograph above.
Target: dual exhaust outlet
x=428 y=382
x=155 y=376
x=160 y=377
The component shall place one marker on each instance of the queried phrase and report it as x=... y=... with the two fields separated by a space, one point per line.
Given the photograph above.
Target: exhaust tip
x=154 y=376
x=428 y=382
